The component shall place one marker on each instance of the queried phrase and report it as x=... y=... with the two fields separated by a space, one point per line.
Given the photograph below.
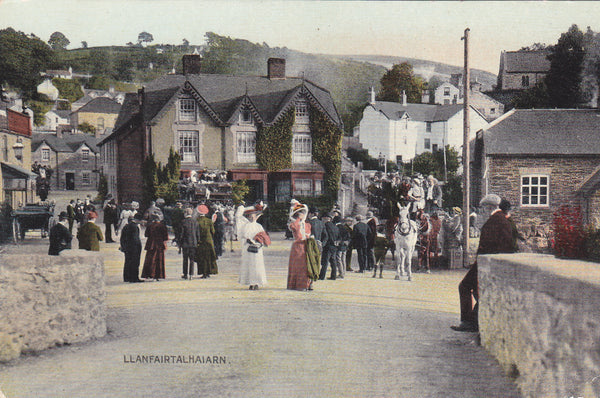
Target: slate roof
x=101 y=105
x=526 y=61
x=223 y=95
x=66 y=143
x=418 y=112
x=544 y=132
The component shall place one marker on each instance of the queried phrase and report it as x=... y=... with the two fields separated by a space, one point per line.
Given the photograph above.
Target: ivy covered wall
x=274 y=143
x=274 y=146
x=327 y=148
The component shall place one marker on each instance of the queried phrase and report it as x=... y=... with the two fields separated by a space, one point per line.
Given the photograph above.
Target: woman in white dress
x=253 y=237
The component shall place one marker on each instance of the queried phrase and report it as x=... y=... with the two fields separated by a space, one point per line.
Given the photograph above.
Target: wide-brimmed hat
x=490 y=200
x=135 y=205
x=256 y=209
x=63 y=215
x=298 y=208
x=202 y=209
x=92 y=215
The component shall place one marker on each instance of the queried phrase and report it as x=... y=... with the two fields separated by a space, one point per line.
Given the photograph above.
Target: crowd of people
x=322 y=243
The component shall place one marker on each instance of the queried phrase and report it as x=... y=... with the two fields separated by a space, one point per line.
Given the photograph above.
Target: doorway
x=70 y=181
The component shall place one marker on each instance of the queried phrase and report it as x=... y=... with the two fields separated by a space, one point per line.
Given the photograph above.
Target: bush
x=592 y=244
x=569 y=233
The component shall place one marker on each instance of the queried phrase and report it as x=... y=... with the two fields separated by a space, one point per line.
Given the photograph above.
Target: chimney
x=403 y=98
x=372 y=95
x=191 y=64
x=276 y=68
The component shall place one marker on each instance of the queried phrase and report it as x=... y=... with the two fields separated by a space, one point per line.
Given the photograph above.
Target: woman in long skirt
x=254 y=237
x=298 y=275
x=154 y=263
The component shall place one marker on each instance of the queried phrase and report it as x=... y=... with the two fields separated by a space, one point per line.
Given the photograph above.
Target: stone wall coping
x=587 y=271
x=565 y=280
x=36 y=260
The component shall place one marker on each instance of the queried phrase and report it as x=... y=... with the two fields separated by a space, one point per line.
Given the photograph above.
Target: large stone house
x=540 y=160
x=219 y=122
x=520 y=70
x=73 y=158
x=16 y=179
x=400 y=131
x=101 y=113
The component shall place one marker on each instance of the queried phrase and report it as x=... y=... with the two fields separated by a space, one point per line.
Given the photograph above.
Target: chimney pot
x=276 y=68
x=191 y=64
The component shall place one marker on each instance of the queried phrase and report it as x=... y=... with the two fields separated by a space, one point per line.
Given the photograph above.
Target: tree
x=58 y=41
x=145 y=37
x=22 y=59
x=534 y=97
x=401 y=79
x=535 y=47
x=186 y=43
x=87 y=128
x=566 y=64
x=84 y=44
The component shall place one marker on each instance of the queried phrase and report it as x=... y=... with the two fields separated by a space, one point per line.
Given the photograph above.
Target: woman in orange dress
x=298 y=276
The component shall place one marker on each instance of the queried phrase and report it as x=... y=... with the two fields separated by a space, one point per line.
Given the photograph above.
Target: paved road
x=357 y=337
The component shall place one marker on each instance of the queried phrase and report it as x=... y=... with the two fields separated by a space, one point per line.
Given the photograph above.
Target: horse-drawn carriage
x=31 y=217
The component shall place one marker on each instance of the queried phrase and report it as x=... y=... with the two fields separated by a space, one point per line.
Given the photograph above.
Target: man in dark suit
x=189 y=235
x=360 y=238
x=317 y=228
x=71 y=214
x=372 y=223
x=60 y=237
x=330 y=249
x=496 y=237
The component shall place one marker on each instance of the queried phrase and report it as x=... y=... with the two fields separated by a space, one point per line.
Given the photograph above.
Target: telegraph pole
x=466 y=154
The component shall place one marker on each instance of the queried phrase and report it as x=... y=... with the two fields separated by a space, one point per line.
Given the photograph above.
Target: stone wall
x=50 y=300
x=540 y=317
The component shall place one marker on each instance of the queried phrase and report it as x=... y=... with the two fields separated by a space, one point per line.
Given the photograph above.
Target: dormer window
x=302 y=112
x=85 y=155
x=187 y=110
x=245 y=116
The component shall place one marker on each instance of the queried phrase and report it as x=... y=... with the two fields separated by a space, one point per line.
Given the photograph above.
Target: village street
x=360 y=337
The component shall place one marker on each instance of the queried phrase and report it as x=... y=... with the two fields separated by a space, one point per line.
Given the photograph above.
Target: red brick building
x=212 y=121
x=540 y=159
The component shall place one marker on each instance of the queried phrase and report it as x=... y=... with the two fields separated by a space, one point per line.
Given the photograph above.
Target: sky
x=430 y=30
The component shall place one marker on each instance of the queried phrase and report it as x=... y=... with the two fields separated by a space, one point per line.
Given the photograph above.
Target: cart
x=31 y=217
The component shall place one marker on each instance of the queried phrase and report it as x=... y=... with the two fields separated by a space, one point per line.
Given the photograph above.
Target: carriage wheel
x=16 y=230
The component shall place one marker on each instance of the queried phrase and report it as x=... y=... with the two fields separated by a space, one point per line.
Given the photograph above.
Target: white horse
x=405 y=237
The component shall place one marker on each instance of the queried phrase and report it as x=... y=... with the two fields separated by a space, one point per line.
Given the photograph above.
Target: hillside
x=348 y=78
x=427 y=69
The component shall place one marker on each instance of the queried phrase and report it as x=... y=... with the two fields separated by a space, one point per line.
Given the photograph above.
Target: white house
x=447 y=94
x=400 y=131
x=47 y=88
x=55 y=118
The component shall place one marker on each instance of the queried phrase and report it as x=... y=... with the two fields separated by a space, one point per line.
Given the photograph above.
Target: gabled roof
x=221 y=97
x=223 y=92
x=101 y=105
x=544 y=132
x=526 y=61
x=418 y=112
x=67 y=143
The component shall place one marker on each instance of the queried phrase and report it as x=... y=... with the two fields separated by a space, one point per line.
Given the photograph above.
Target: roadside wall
x=540 y=317
x=47 y=301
